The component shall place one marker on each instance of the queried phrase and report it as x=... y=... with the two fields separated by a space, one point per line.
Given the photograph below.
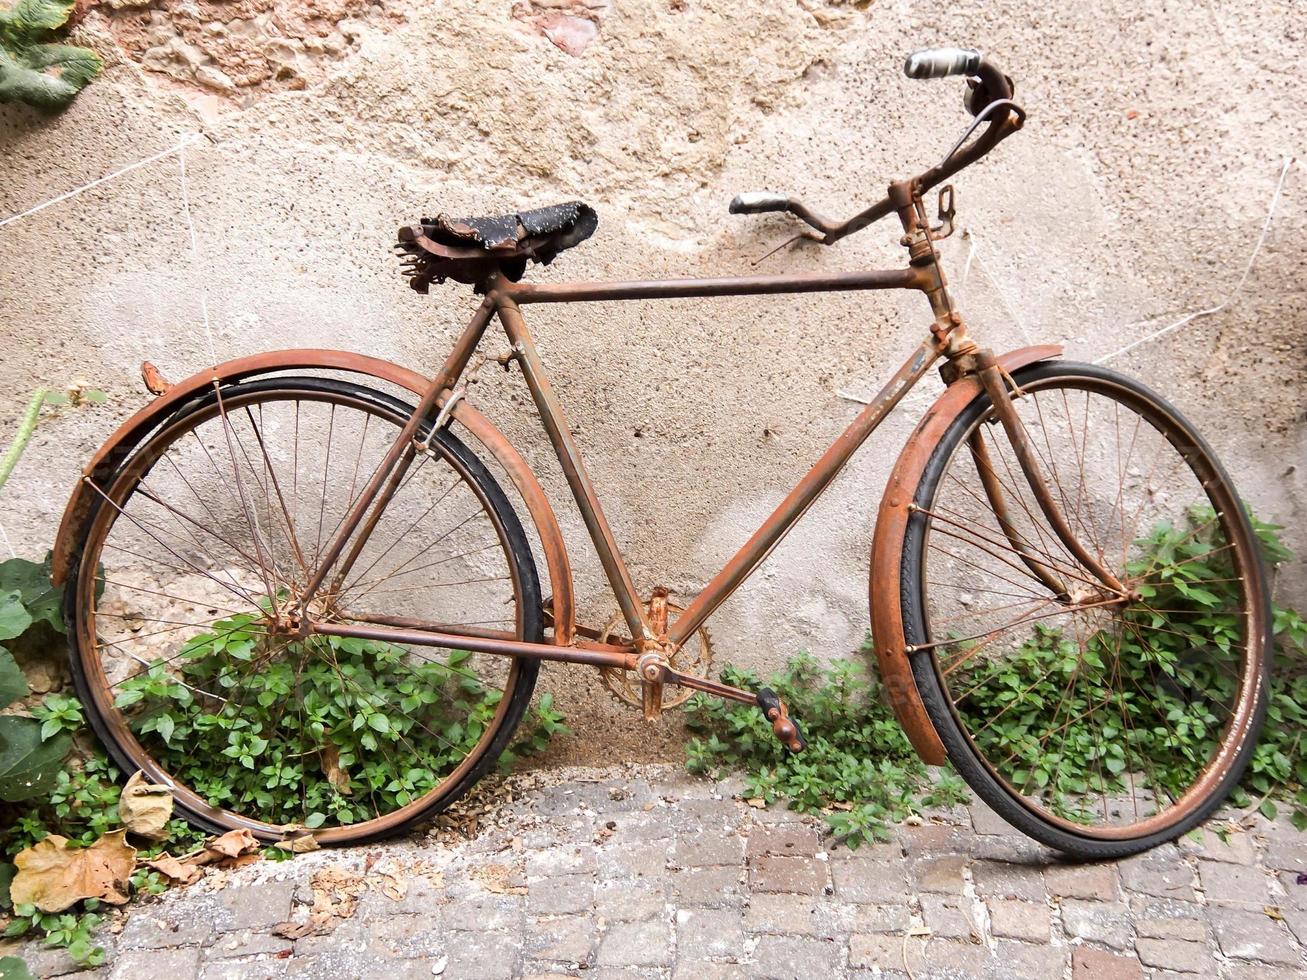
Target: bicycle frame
x=648 y=650
x=504 y=300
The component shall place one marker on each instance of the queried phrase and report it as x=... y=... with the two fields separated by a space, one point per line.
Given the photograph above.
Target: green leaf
x=379 y=723
x=32 y=579
x=13 y=968
x=14 y=618
x=46 y=76
x=6 y=876
x=29 y=766
x=32 y=16
x=13 y=685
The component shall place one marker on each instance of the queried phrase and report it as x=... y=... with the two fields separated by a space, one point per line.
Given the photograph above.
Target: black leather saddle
x=472 y=249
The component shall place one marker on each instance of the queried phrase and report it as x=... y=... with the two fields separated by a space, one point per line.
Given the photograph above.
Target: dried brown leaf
x=499 y=879
x=233 y=843
x=145 y=808
x=336 y=894
x=170 y=867
x=337 y=776
x=393 y=886
x=299 y=845
x=233 y=849
x=53 y=876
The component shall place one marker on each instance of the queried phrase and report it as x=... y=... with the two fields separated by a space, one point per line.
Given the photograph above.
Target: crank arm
x=663 y=674
x=786 y=730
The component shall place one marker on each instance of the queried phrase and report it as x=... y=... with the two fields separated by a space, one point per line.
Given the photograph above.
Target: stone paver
x=1013 y=919
x=1088 y=963
x=1102 y=923
x=797 y=875
x=1174 y=955
x=664 y=877
x=1253 y=936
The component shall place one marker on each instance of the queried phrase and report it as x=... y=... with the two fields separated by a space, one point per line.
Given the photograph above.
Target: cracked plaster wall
x=1155 y=136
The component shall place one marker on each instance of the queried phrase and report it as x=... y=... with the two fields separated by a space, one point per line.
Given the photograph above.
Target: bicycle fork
x=996 y=387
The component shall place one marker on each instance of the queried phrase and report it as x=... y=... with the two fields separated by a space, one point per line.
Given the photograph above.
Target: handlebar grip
x=758 y=202
x=941 y=62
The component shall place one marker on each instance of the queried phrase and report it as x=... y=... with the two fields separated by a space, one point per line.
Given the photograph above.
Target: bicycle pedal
x=785 y=728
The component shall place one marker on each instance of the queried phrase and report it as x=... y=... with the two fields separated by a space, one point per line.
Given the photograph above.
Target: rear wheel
x=1097 y=723
x=203 y=542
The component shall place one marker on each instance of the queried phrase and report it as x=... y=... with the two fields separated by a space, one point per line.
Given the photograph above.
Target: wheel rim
x=1087 y=711
x=214 y=563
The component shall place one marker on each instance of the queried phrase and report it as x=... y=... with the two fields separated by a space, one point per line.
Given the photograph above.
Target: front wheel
x=1100 y=724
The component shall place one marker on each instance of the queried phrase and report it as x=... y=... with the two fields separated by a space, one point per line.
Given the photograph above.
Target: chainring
x=695 y=657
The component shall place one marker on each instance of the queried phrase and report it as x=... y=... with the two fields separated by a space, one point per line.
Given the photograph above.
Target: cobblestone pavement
x=626 y=874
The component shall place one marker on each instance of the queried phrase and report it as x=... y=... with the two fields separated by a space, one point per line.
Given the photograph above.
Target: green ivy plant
x=35 y=68
x=54 y=778
x=354 y=746
x=1189 y=571
x=859 y=769
x=30 y=760
x=13 y=968
x=46 y=784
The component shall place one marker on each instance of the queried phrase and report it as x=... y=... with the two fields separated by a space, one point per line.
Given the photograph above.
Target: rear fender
x=887 y=552
x=136 y=429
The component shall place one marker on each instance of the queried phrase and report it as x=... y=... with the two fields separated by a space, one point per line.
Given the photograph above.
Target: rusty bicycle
x=304 y=561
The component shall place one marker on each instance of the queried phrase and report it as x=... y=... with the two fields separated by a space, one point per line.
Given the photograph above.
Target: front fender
x=134 y=431
x=887 y=552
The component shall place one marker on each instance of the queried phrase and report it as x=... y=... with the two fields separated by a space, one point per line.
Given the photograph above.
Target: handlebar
x=989 y=99
x=942 y=62
x=758 y=202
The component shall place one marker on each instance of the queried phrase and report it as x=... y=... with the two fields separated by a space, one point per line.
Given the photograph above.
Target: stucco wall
x=1134 y=195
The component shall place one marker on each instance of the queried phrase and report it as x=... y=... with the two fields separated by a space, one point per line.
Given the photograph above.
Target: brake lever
x=947 y=212
x=981 y=116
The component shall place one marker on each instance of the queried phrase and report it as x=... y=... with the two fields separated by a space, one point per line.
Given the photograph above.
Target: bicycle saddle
x=470 y=249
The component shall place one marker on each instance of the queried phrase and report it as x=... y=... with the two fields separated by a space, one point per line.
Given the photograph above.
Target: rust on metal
x=995 y=385
x=802 y=496
x=569 y=458
x=591 y=654
x=119 y=446
x=887 y=553
x=817 y=282
x=491 y=253
x=998 y=503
